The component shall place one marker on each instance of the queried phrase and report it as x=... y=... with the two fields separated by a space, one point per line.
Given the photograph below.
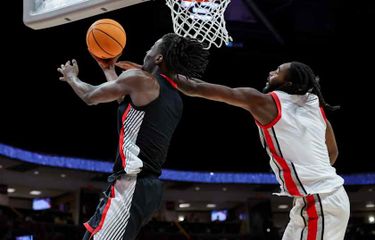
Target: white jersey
x=295 y=142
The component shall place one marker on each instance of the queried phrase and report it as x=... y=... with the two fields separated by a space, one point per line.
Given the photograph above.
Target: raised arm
x=126 y=65
x=106 y=92
x=108 y=67
x=261 y=106
x=331 y=144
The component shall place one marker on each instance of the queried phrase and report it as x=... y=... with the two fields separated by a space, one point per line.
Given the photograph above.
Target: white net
x=200 y=19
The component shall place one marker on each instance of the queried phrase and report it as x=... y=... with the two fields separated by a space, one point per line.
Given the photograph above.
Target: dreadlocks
x=304 y=80
x=184 y=56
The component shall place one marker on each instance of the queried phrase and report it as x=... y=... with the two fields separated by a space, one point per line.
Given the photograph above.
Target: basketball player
x=149 y=111
x=300 y=142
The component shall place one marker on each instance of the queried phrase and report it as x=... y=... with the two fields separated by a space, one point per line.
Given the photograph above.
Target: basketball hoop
x=200 y=19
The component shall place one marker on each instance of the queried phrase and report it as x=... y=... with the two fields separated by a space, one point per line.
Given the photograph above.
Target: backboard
x=39 y=14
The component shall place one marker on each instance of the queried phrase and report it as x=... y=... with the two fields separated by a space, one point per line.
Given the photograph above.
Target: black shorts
x=128 y=204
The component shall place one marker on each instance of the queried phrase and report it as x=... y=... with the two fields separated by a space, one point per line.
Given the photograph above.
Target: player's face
x=276 y=78
x=151 y=56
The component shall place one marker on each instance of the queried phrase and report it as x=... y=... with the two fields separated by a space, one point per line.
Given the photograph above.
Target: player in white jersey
x=300 y=142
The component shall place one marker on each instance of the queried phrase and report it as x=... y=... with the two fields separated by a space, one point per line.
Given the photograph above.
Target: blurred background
x=41 y=115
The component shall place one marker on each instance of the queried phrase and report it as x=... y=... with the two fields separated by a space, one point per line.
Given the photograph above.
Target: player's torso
x=296 y=145
x=145 y=132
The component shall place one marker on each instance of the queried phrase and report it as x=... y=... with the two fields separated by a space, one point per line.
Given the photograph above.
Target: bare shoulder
x=135 y=76
x=135 y=73
x=137 y=79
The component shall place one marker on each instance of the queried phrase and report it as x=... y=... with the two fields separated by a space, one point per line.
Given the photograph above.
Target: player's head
x=295 y=78
x=277 y=78
x=176 y=54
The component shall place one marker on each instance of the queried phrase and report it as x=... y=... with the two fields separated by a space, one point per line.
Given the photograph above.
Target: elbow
x=90 y=103
x=89 y=100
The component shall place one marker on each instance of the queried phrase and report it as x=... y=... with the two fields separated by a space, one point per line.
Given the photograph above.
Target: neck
x=155 y=70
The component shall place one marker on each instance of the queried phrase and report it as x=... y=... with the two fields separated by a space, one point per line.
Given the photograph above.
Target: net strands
x=200 y=19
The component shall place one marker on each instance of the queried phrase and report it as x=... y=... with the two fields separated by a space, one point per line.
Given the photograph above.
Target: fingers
x=68 y=63
x=68 y=70
x=61 y=69
x=181 y=77
x=117 y=57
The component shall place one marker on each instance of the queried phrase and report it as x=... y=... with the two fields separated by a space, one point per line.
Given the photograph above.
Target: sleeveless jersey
x=145 y=132
x=295 y=141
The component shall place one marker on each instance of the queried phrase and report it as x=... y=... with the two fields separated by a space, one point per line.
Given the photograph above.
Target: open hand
x=69 y=70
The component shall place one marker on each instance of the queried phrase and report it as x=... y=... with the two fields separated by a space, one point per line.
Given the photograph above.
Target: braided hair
x=303 y=80
x=185 y=56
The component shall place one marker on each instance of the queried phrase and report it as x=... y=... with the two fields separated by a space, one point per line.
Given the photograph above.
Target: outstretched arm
x=260 y=105
x=91 y=95
x=244 y=97
x=331 y=144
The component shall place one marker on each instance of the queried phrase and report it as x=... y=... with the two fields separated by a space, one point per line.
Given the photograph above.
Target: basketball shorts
x=319 y=217
x=128 y=205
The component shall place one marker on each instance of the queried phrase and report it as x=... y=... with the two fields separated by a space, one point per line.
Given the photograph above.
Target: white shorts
x=322 y=216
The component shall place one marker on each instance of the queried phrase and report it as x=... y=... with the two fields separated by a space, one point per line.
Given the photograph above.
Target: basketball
x=106 y=38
